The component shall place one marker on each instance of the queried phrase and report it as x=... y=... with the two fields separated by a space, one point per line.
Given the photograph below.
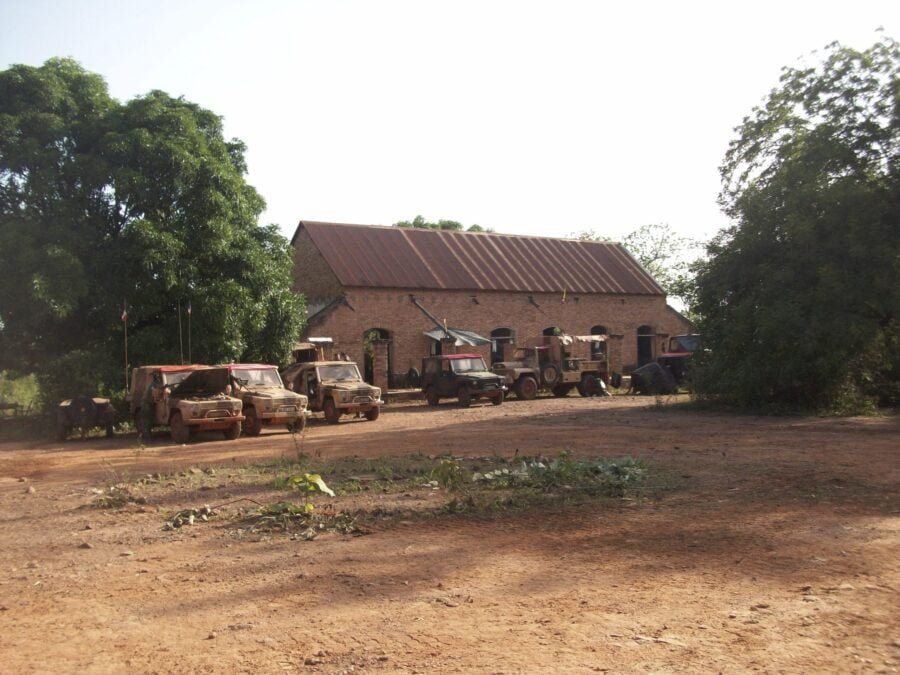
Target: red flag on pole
x=124 y=313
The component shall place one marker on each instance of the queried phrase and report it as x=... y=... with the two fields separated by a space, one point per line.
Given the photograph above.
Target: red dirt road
x=774 y=547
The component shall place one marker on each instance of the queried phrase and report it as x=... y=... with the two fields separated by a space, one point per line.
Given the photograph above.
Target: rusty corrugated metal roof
x=390 y=257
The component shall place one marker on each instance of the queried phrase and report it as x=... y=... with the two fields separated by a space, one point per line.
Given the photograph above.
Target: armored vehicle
x=184 y=398
x=547 y=364
x=463 y=376
x=266 y=401
x=84 y=412
x=334 y=388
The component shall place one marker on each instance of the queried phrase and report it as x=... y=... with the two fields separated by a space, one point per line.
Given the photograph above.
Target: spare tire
x=550 y=375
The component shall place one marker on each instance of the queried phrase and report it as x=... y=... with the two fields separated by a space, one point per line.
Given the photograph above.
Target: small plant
x=451 y=475
x=307 y=484
x=116 y=497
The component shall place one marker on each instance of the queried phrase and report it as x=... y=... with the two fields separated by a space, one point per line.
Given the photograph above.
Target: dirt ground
x=773 y=548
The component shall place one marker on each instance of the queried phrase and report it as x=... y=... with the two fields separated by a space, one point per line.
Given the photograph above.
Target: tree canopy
x=139 y=207
x=800 y=296
x=419 y=222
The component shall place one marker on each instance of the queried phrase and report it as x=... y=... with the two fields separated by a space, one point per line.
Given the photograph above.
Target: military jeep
x=334 y=388
x=84 y=412
x=187 y=399
x=463 y=376
x=266 y=401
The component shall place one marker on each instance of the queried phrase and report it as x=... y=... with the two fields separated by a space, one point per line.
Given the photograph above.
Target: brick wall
x=312 y=275
x=481 y=312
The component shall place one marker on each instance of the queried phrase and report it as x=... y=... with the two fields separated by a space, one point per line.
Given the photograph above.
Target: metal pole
x=180 y=339
x=125 y=321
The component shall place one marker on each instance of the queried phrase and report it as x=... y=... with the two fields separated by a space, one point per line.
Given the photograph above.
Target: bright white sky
x=540 y=118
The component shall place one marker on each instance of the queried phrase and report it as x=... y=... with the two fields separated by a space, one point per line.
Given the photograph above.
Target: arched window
x=500 y=337
x=598 y=348
x=645 y=336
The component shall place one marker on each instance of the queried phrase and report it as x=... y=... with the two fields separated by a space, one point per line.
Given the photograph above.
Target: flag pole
x=190 y=358
x=180 y=339
x=125 y=321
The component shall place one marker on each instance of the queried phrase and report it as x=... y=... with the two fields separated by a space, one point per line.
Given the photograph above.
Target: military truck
x=334 y=388
x=266 y=401
x=463 y=376
x=84 y=413
x=546 y=363
x=187 y=399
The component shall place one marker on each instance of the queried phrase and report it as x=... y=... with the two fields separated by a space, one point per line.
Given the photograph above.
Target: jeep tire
x=465 y=398
x=179 y=430
x=233 y=432
x=332 y=414
x=252 y=425
x=589 y=386
x=526 y=388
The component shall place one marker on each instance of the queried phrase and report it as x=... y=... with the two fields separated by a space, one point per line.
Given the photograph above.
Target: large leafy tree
x=144 y=204
x=800 y=297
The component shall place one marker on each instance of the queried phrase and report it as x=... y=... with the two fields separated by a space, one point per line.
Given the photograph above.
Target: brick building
x=389 y=296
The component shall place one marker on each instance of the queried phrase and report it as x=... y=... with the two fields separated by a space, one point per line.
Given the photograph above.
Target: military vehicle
x=679 y=352
x=463 y=376
x=84 y=413
x=266 y=401
x=187 y=399
x=545 y=363
x=334 y=388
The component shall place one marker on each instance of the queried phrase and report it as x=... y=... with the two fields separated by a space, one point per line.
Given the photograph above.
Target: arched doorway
x=645 y=336
x=376 y=356
x=598 y=349
x=553 y=330
x=500 y=337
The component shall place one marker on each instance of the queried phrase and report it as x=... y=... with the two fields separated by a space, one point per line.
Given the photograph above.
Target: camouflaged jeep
x=335 y=388
x=266 y=401
x=187 y=399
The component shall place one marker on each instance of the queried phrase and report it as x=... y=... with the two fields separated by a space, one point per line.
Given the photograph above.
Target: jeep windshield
x=172 y=379
x=257 y=377
x=339 y=372
x=685 y=343
x=468 y=365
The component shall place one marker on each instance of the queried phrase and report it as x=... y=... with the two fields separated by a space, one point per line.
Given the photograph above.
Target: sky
x=535 y=118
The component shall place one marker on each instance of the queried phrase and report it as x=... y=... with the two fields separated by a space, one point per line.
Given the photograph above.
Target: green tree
x=103 y=203
x=800 y=296
x=420 y=223
x=669 y=258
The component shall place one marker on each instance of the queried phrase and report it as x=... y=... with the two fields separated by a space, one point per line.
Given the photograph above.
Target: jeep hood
x=206 y=381
x=484 y=375
x=269 y=392
x=348 y=386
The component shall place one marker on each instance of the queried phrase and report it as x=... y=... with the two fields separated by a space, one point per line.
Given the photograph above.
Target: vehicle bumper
x=213 y=423
x=283 y=417
x=358 y=406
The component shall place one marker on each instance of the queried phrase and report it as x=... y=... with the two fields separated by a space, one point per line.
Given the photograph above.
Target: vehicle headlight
x=376 y=393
